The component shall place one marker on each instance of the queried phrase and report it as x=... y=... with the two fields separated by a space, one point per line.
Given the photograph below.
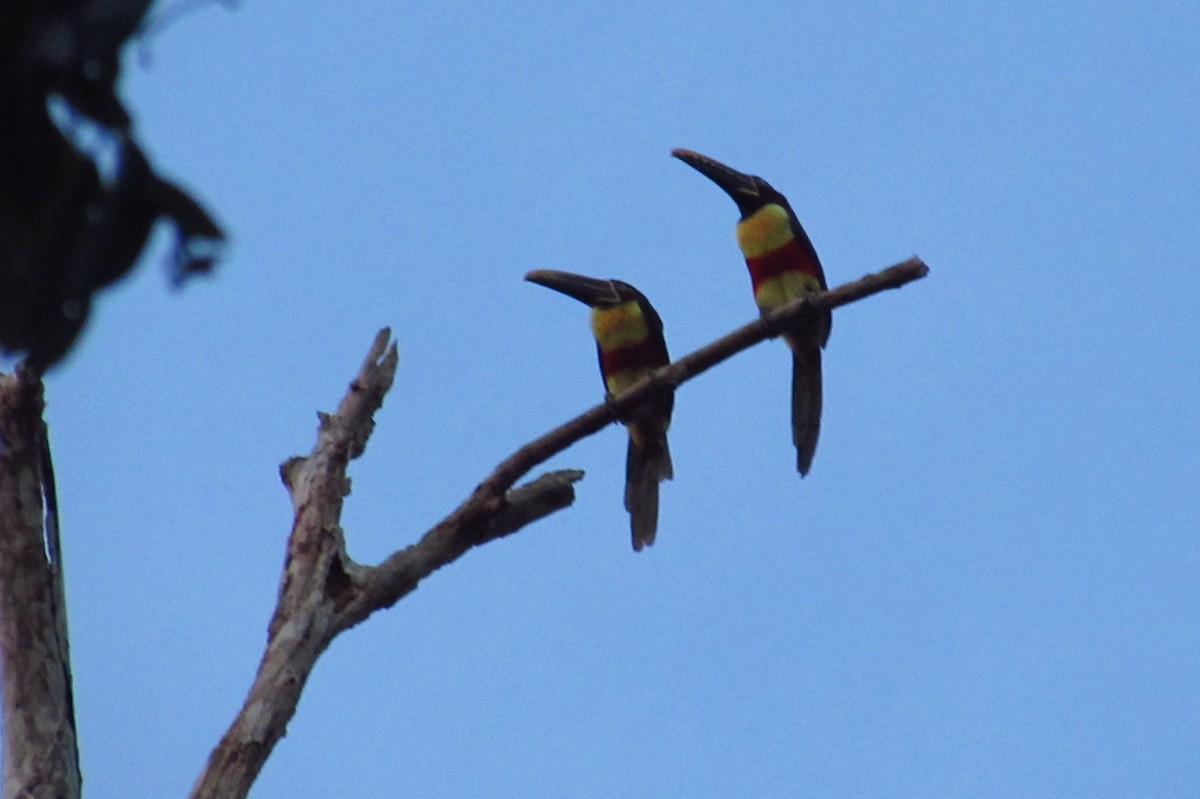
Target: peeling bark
x=40 y=754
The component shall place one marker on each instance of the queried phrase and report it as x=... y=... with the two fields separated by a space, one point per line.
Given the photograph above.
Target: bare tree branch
x=320 y=581
x=684 y=369
x=41 y=758
x=323 y=592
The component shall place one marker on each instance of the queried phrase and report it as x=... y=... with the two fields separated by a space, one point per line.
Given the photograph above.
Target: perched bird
x=630 y=343
x=783 y=267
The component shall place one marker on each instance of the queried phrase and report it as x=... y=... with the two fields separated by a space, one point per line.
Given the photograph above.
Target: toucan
x=783 y=267
x=630 y=345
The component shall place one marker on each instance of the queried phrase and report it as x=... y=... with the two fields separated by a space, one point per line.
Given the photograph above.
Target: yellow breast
x=619 y=326
x=767 y=229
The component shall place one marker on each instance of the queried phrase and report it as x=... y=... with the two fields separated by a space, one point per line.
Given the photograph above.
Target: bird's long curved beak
x=737 y=185
x=588 y=290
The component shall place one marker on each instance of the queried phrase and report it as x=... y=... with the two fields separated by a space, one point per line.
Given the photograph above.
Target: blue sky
x=986 y=587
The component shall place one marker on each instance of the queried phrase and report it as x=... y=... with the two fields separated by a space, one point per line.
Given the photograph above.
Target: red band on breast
x=645 y=356
x=788 y=258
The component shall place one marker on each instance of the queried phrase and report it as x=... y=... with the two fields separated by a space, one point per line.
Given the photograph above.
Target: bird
x=630 y=345
x=783 y=267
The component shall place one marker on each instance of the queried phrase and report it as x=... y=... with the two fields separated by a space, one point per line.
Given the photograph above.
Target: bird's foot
x=619 y=416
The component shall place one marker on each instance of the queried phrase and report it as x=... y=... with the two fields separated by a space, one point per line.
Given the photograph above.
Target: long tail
x=646 y=464
x=806 y=405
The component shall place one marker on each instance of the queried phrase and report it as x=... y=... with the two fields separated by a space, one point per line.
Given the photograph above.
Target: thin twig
x=680 y=371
